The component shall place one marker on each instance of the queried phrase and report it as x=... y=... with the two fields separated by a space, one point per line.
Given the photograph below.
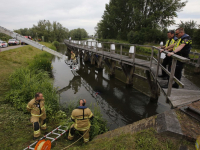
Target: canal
x=118 y=104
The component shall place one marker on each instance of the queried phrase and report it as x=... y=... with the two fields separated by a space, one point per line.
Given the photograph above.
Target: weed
x=98 y=124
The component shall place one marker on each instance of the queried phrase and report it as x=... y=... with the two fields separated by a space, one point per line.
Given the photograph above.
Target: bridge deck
x=190 y=93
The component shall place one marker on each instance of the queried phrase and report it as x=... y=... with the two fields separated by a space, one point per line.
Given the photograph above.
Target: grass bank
x=143 y=140
x=15 y=127
x=24 y=71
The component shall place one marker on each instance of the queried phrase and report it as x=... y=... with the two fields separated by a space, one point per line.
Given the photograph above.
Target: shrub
x=98 y=124
x=130 y=37
x=56 y=44
x=24 y=83
x=41 y=62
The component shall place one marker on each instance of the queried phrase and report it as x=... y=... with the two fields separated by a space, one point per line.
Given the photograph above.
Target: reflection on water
x=119 y=105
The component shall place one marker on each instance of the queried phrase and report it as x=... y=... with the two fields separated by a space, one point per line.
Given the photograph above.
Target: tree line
x=52 y=32
x=138 y=21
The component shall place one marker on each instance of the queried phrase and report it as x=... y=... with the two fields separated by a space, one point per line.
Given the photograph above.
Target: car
x=28 y=37
x=13 y=42
x=3 y=44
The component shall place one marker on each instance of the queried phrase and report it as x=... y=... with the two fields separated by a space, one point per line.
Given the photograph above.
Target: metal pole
x=173 y=67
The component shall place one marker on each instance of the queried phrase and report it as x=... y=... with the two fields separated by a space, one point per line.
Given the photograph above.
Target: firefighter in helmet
x=38 y=114
x=81 y=117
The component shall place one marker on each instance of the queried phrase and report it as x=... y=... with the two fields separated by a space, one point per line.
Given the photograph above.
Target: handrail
x=179 y=58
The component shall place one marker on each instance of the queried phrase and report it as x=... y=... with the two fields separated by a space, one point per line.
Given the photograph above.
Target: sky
x=71 y=14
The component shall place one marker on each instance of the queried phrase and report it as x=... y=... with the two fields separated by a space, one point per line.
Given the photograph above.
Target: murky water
x=193 y=74
x=119 y=105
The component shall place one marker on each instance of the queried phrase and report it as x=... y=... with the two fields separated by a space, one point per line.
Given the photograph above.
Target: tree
x=78 y=34
x=122 y=16
x=51 y=31
x=189 y=26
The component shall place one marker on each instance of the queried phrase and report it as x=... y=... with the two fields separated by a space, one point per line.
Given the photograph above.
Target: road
x=10 y=47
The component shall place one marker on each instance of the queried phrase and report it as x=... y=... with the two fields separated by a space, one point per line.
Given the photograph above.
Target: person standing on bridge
x=171 y=40
x=182 y=48
x=81 y=117
x=36 y=107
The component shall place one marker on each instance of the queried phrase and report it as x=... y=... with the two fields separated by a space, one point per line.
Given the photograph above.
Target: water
x=119 y=105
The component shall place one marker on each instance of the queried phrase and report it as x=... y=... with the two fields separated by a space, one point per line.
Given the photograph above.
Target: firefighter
x=73 y=59
x=171 y=40
x=38 y=114
x=81 y=117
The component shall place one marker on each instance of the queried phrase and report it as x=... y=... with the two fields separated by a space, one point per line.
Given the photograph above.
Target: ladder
x=48 y=136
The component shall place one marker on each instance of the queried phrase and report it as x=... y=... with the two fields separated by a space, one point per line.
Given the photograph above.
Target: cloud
x=70 y=13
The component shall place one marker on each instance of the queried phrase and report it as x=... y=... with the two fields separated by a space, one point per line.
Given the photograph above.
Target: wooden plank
x=181 y=96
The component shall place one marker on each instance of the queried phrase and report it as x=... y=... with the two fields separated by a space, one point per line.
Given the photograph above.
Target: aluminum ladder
x=48 y=136
x=32 y=43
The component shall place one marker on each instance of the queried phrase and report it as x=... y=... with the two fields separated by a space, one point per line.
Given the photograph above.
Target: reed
x=24 y=83
x=98 y=124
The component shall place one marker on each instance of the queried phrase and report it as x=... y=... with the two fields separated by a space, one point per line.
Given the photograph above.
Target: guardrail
x=30 y=42
x=99 y=46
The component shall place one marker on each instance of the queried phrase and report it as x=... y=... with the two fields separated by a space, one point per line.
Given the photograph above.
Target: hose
x=75 y=141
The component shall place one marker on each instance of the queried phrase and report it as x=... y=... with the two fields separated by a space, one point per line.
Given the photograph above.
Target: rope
x=75 y=141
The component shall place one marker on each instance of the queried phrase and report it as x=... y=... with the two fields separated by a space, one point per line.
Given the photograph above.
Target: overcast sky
x=72 y=14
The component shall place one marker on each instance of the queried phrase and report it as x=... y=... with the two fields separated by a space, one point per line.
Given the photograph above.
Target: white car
x=13 y=42
x=3 y=44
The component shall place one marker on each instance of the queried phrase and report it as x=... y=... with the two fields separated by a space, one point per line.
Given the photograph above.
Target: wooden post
x=153 y=87
x=99 y=62
x=102 y=48
x=173 y=67
x=158 y=65
x=96 y=47
x=134 y=56
x=92 y=59
x=86 y=56
x=129 y=73
x=111 y=65
x=198 y=62
x=120 y=52
x=151 y=59
x=112 y=69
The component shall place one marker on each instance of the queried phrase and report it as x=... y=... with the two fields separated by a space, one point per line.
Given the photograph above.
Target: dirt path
x=10 y=47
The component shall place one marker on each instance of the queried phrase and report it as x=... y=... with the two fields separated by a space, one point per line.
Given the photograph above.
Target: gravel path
x=10 y=47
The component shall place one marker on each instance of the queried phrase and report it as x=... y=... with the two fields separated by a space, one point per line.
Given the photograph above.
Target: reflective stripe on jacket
x=171 y=41
x=36 y=107
x=73 y=56
x=81 y=116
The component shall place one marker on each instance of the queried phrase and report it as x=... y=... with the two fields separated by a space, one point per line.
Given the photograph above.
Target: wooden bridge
x=105 y=53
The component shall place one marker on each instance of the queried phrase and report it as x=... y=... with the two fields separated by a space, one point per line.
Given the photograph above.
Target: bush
x=98 y=124
x=24 y=83
x=56 y=44
x=130 y=37
x=41 y=62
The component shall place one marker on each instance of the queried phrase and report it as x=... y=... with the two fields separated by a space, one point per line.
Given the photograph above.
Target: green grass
x=143 y=140
x=18 y=86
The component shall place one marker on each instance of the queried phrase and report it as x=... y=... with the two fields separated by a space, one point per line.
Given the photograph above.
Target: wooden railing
x=95 y=46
